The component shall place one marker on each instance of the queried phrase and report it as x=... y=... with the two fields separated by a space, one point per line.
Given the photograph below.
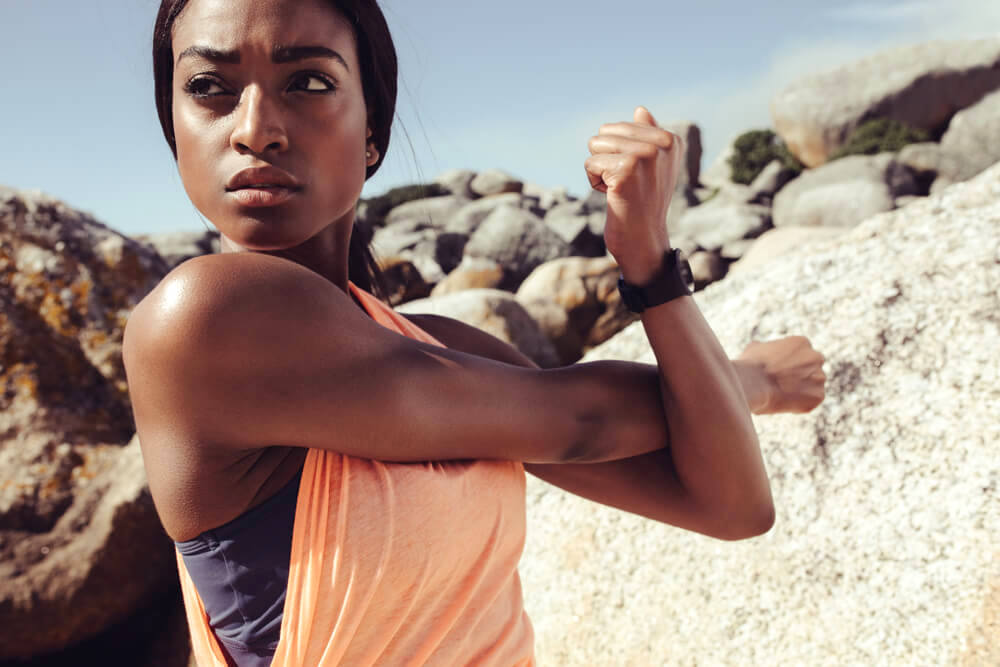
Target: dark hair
x=377 y=57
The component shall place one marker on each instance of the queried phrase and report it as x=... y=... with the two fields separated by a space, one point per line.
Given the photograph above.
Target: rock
x=972 y=142
x=396 y=239
x=448 y=250
x=905 y=200
x=734 y=250
x=403 y=281
x=546 y=197
x=177 y=247
x=472 y=273
x=719 y=172
x=717 y=223
x=921 y=85
x=767 y=184
x=371 y=212
x=75 y=522
x=924 y=161
x=468 y=218
x=690 y=134
x=517 y=240
x=779 y=241
x=423 y=256
x=496 y=312
x=580 y=227
x=494 y=182
x=886 y=179
x=457 y=182
x=155 y=636
x=553 y=320
x=105 y=557
x=432 y=212
x=707 y=267
x=838 y=205
x=887 y=495
x=587 y=292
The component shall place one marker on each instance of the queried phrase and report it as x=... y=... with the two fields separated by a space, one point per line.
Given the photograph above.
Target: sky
x=515 y=85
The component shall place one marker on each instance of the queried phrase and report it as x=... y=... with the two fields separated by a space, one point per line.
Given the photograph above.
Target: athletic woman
x=346 y=485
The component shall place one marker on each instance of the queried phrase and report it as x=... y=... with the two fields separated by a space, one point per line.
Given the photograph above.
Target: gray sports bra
x=241 y=572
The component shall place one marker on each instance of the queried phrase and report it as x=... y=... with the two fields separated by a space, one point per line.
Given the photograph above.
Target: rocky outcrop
x=972 y=142
x=923 y=85
x=690 y=134
x=576 y=302
x=518 y=241
x=779 y=241
x=80 y=546
x=843 y=192
x=494 y=182
x=177 y=247
x=887 y=495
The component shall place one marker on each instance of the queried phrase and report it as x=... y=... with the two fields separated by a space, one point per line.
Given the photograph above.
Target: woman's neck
x=326 y=253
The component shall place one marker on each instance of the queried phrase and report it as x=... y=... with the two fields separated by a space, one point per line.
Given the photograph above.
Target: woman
x=353 y=478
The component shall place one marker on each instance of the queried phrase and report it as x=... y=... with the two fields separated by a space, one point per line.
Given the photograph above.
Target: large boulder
x=843 y=192
x=517 y=240
x=719 y=173
x=428 y=213
x=177 y=247
x=467 y=219
x=80 y=545
x=457 y=182
x=586 y=291
x=922 y=85
x=471 y=273
x=779 y=241
x=690 y=134
x=718 y=222
x=497 y=313
x=494 y=182
x=887 y=495
x=972 y=142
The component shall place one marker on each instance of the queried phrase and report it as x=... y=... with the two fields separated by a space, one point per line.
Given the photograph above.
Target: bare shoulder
x=212 y=283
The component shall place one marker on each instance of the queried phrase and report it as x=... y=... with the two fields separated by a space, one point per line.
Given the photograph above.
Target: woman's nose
x=259 y=125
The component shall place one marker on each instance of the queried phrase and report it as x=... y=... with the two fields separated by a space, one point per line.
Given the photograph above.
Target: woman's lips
x=268 y=195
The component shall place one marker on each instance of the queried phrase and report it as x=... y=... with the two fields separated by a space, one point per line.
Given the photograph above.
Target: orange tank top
x=397 y=564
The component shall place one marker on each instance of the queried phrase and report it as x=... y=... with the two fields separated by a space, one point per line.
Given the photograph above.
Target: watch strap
x=674 y=280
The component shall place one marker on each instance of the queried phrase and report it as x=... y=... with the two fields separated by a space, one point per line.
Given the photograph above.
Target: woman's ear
x=371 y=153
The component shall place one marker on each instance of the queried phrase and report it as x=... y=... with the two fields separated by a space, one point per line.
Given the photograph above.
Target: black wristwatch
x=675 y=279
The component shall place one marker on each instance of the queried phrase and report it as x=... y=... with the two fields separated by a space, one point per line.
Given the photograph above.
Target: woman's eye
x=312 y=83
x=204 y=87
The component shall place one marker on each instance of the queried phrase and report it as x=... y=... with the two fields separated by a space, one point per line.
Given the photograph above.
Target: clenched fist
x=794 y=373
x=637 y=165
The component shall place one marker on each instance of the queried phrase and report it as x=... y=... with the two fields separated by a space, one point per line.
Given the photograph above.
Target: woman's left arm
x=783 y=375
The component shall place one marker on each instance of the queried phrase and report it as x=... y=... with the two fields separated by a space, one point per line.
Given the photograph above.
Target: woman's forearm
x=713 y=444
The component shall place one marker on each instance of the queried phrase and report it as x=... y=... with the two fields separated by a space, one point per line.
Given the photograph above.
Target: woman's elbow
x=747 y=524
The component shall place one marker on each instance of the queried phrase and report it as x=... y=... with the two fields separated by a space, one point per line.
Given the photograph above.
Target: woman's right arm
x=246 y=351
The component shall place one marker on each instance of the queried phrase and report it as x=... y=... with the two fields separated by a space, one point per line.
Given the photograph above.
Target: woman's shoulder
x=205 y=299
x=200 y=280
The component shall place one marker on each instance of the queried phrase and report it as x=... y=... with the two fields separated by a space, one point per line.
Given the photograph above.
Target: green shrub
x=754 y=150
x=880 y=135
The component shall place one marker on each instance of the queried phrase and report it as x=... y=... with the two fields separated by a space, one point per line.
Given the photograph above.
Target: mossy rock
x=754 y=150
x=880 y=135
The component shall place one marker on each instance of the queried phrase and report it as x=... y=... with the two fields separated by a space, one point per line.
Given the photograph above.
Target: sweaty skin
x=240 y=362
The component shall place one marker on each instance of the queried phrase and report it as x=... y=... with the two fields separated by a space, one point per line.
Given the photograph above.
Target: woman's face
x=272 y=84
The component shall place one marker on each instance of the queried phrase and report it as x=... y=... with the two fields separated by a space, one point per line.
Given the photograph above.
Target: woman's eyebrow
x=281 y=54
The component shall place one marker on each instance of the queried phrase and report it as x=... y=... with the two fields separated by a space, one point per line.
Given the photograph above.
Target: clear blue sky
x=517 y=85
